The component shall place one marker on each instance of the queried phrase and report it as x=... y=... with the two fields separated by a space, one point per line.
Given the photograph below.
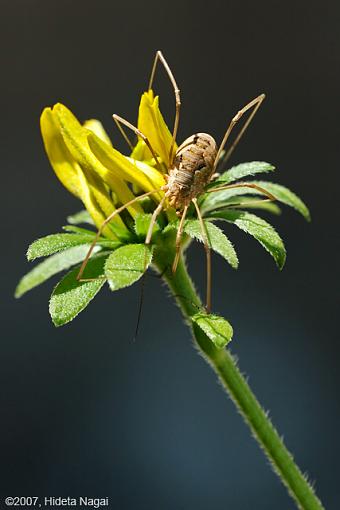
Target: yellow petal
x=101 y=196
x=77 y=140
x=70 y=174
x=141 y=151
x=144 y=176
x=151 y=123
x=97 y=128
x=62 y=162
x=93 y=208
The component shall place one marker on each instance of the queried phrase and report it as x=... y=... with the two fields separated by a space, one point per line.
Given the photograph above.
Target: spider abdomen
x=192 y=169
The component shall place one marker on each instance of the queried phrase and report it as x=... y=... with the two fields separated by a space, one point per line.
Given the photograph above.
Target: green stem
x=238 y=389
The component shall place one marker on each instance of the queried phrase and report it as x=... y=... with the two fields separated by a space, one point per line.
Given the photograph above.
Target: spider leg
x=153 y=219
x=147 y=242
x=126 y=123
x=123 y=133
x=159 y=57
x=208 y=255
x=255 y=103
x=244 y=185
x=179 y=238
x=100 y=230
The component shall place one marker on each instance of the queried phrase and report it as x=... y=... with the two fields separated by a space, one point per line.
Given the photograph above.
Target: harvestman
x=191 y=168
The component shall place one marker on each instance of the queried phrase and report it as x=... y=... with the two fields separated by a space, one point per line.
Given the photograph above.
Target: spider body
x=191 y=171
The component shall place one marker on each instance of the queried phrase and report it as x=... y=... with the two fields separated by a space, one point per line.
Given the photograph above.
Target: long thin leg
x=140 y=306
x=159 y=57
x=143 y=279
x=153 y=220
x=147 y=242
x=100 y=230
x=244 y=185
x=256 y=103
x=208 y=255
x=126 y=123
x=124 y=135
x=179 y=238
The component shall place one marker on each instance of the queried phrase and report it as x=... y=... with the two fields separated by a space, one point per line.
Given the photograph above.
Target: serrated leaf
x=80 y=217
x=284 y=195
x=50 y=267
x=218 y=329
x=127 y=264
x=58 y=242
x=243 y=170
x=142 y=222
x=259 y=229
x=71 y=296
x=217 y=239
x=214 y=200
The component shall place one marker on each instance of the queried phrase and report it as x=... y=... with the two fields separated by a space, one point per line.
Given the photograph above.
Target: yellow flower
x=85 y=162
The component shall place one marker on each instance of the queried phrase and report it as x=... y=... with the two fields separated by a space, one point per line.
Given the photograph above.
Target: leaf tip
x=29 y=254
x=56 y=323
x=57 y=318
x=18 y=292
x=281 y=261
x=235 y=263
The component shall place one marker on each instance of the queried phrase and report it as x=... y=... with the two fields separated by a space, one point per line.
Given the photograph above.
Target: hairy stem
x=238 y=389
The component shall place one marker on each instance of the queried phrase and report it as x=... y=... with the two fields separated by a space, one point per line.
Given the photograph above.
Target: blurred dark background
x=85 y=410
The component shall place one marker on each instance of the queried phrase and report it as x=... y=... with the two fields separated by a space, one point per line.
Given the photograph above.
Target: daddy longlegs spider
x=191 y=168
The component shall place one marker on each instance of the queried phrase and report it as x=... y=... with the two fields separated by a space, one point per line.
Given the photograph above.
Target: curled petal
x=151 y=123
x=141 y=152
x=97 y=128
x=77 y=138
x=144 y=176
x=64 y=165
x=89 y=200
x=70 y=173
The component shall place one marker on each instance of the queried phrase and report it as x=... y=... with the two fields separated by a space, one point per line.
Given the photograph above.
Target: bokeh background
x=87 y=411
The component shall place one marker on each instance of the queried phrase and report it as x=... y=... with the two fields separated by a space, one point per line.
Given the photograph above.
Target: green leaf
x=127 y=264
x=284 y=195
x=142 y=222
x=218 y=329
x=80 y=217
x=78 y=230
x=71 y=296
x=237 y=200
x=259 y=229
x=214 y=200
x=218 y=199
x=255 y=203
x=50 y=267
x=244 y=202
x=217 y=239
x=59 y=242
x=243 y=170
